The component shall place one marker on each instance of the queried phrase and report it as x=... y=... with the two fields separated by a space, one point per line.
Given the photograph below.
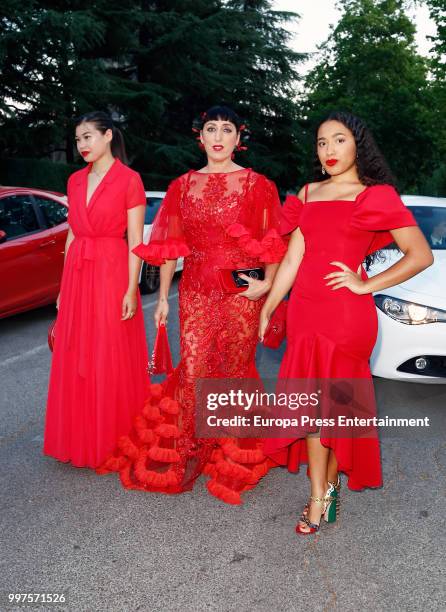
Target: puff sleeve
x=167 y=240
x=379 y=209
x=136 y=195
x=290 y=214
x=257 y=231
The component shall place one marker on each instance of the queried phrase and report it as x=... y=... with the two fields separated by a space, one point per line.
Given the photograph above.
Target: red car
x=33 y=230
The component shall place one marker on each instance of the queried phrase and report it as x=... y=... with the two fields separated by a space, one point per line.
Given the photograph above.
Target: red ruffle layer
x=270 y=249
x=147 y=459
x=156 y=252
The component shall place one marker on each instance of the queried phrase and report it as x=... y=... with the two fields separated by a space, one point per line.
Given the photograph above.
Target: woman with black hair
x=350 y=211
x=221 y=218
x=98 y=377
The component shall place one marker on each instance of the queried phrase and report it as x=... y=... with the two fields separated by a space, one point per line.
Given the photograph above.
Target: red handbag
x=51 y=335
x=226 y=281
x=161 y=361
x=276 y=331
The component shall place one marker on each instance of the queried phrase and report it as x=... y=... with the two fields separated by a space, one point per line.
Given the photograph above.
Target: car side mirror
x=2 y=236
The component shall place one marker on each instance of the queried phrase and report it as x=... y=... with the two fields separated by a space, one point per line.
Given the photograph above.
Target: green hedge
x=39 y=173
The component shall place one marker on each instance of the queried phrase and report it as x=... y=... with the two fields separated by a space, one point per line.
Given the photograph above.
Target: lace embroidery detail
x=218 y=338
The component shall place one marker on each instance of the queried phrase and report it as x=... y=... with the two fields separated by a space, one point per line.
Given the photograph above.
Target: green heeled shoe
x=337 y=494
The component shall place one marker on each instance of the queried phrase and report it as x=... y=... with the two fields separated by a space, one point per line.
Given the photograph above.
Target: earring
x=323 y=170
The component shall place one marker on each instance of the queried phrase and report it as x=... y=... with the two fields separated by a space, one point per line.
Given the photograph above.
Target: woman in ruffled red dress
x=350 y=212
x=222 y=217
x=98 y=379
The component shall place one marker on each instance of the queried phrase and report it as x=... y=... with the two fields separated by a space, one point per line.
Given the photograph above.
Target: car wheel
x=150 y=278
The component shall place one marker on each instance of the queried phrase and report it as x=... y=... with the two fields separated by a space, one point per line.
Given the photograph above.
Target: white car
x=149 y=279
x=411 y=342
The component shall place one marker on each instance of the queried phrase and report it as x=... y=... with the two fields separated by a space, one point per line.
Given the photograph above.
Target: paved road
x=67 y=530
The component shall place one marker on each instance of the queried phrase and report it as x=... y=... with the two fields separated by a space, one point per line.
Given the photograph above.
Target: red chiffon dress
x=218 y=220
x=331 y=333
x=98 y=378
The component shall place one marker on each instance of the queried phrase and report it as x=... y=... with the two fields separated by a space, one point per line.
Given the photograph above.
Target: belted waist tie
x=87 y=247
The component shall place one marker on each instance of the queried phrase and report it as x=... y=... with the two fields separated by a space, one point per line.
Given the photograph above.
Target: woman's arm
x=68 y=241
x=417 y=257
x=167 y=270
x=135 y=230
x=284 y=279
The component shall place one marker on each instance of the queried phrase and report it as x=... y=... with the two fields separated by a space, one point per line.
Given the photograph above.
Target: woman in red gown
x=220 y=217
x=334 y=223
x=98 y=377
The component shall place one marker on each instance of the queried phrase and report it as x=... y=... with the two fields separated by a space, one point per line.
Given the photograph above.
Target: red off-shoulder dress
x=218 y=220
x=98 y=379
x=331 y=334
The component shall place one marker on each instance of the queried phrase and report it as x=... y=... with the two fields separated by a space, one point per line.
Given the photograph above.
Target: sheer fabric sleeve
x=380 y=209
x=257 y=231
x=136 y=195
x=167 y=240
x=290 y=214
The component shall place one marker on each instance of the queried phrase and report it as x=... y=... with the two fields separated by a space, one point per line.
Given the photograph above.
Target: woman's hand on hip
x=129 y=306
x=161 y=312
x=346 y=278
x=256 y=288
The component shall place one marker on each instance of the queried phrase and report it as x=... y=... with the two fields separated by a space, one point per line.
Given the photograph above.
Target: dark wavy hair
x=103 y=122
x=371 y=164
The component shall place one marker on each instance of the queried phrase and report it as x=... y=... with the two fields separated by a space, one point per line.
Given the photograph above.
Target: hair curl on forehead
x=218 y=113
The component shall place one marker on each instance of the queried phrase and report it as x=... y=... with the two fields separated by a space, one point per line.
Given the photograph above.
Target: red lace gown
x=98 y=379
x=221 y=220
x=331 y=334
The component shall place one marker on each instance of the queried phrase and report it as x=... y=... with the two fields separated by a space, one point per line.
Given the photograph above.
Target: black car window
x=53 y=212
x=17 y=216
x=432 y=222
x=152 y=208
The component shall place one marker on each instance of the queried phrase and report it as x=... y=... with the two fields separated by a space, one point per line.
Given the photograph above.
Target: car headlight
x=408 y=312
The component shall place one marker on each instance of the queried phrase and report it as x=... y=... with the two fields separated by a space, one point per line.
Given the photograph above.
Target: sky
x=317 y=16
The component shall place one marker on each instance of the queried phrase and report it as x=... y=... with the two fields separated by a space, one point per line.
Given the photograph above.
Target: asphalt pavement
x=67 y=530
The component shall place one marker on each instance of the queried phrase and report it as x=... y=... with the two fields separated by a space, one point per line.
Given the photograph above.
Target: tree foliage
x=435 y=183
x=156 y=65
x=369 y=66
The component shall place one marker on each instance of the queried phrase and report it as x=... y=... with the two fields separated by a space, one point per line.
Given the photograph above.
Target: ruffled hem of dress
x=358 y=458
x=270 y=249
x=147 y=459
x=156 y=253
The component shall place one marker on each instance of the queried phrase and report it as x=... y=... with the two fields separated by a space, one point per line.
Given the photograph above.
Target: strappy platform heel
x=336 y=493
x=328 y=503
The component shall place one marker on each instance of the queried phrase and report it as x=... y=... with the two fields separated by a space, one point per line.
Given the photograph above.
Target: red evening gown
x=219 y=220
x=331 y=334
x=98 y=376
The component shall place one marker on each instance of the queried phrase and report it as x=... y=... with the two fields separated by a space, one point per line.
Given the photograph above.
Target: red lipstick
x=331 y=162
x=85 y=153
x=218 y=147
